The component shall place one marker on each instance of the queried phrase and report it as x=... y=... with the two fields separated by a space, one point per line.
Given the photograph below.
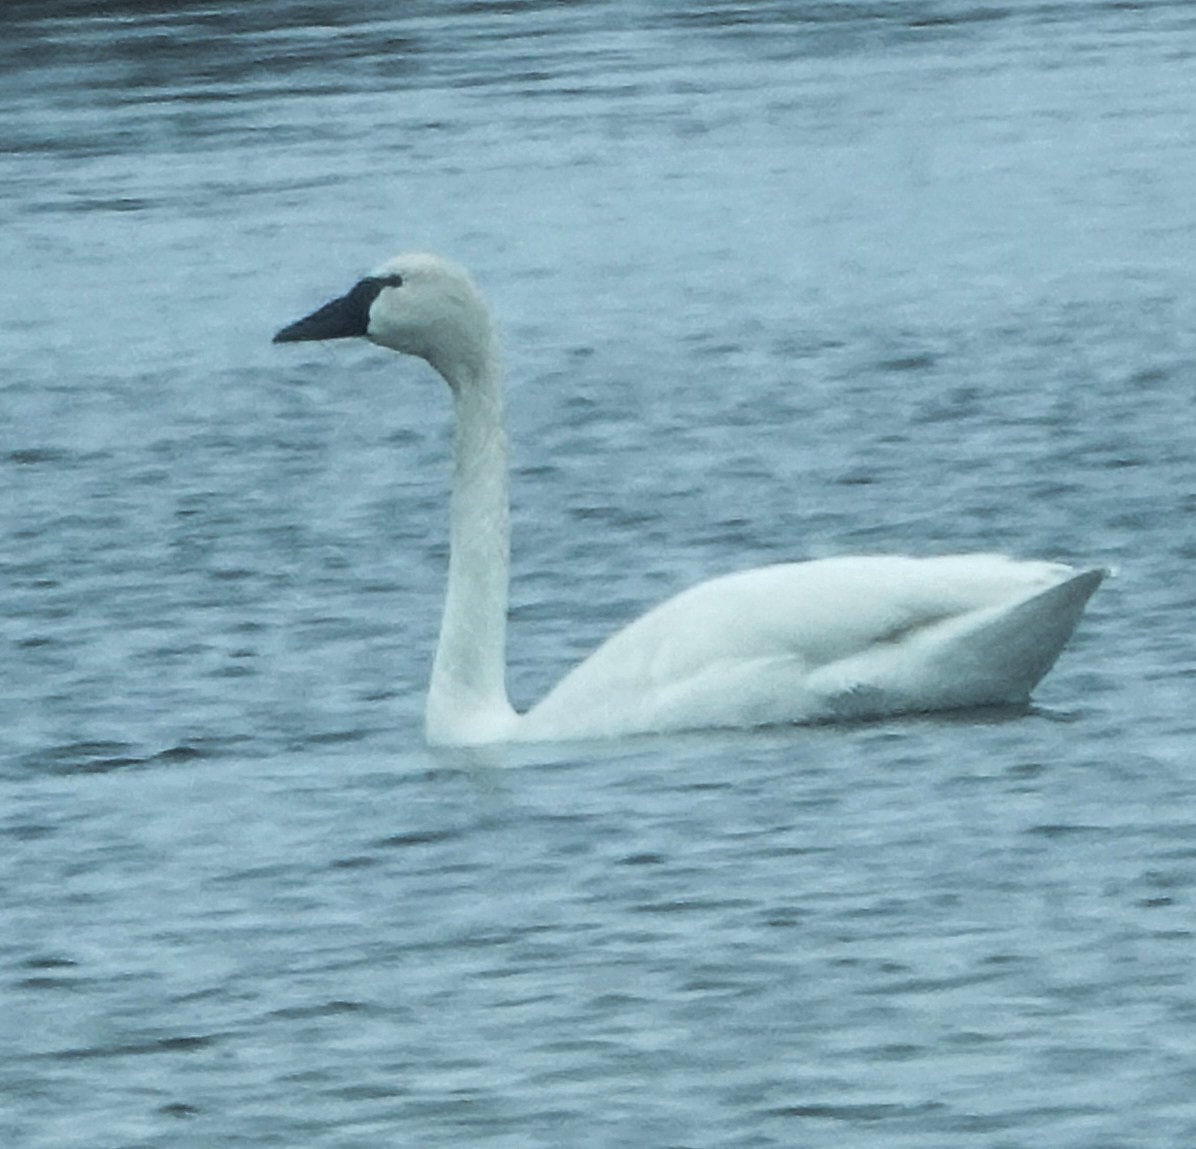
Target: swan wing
x=845 y=637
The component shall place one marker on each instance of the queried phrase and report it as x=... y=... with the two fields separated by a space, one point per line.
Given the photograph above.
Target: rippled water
x=778 y=281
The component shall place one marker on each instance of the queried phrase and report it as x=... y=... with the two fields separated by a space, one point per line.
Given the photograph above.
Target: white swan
x=797 y=642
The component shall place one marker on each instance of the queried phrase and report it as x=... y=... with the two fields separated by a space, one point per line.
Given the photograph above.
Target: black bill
x=343 y=318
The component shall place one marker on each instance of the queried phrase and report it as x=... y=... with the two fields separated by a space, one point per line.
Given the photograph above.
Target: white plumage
x=850 y=637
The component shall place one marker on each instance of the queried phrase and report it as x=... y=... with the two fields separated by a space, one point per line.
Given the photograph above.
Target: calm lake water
x=777 y=280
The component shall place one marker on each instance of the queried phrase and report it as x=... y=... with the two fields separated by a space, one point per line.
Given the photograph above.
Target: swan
x=823 y=640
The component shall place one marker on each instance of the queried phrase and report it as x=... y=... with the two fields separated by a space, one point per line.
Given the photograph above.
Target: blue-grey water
x=777 y=281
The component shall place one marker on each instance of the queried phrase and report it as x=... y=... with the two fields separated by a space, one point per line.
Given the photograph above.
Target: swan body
x=839 y=638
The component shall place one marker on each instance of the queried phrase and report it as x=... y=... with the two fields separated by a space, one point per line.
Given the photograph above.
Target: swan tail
x=989 y=657
x=1001 y=655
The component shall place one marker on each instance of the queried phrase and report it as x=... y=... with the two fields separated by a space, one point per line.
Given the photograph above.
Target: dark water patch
x=380 y=1091
x=419 y=838
x=86 y=757
x=35 y=641
x=1062 y=830
x=875 y=1111
x=197 y=750
x=934 y=985
x=154 y=1047
x=952 y=15
x=645 y=859
x=324 y=740
x=90 y=205
x=43 y=983
x=28 y=830
x=49 y=962
x=785 y=918
x=232 y=574
x=37 y=456
x=684 y=906
x=901 y=1051
x=356 y=862
x=268 y=874
x=1034 y=1117
x=333 y=1008
x=81 y=758
x=54 y=973
x=336 y=737
x=497 y=938
x=911 y=361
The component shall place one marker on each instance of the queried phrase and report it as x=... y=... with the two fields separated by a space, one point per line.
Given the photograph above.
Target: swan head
x=416 y=304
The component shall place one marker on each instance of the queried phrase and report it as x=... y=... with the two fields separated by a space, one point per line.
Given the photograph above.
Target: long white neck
x=467 y=698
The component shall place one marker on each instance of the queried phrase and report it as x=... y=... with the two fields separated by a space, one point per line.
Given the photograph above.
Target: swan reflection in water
x=851 y=637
